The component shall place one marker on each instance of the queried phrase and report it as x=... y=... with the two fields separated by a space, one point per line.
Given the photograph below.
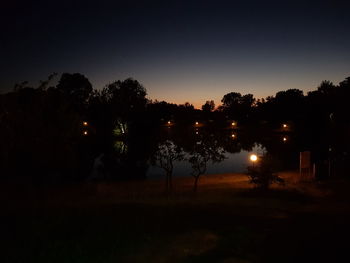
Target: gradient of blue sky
x=179 y=50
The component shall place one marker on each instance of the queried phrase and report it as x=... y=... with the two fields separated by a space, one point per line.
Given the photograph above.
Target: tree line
x=60 y=128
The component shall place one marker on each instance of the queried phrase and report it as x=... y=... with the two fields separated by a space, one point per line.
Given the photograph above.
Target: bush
x=263 y=175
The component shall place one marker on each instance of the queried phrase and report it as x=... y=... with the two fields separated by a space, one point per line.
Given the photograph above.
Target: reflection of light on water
x=120 y=147
x=234 y=163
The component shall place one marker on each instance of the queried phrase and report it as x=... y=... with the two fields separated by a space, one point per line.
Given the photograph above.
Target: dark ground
x=99 y=223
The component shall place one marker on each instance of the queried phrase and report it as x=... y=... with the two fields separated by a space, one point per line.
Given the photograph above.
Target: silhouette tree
x=237 y=106
x=126 y=101
x=76 y=88
x=165 y=156
x=205 y=151
x=208 y=106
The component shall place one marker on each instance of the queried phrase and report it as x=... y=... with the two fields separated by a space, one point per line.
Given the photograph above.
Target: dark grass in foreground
x=221 y=223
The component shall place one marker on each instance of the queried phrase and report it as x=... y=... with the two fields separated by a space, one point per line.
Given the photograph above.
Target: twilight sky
x=179 y=50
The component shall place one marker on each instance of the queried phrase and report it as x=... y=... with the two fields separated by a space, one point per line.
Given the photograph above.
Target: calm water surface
x=234 y=163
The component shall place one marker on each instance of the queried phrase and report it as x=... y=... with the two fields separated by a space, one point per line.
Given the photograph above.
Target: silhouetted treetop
x=128 y=92
x=75 y=86
x=237 y=106
x=208 y=106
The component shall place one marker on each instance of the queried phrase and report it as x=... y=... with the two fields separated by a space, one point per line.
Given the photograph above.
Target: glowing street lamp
x=284 y=125
x=85 y=133
x=233 y=136
x=284 y=139
x=233 y=123
x=85 y=123
x=253 y=158
x=169 y=122
x=197 y=122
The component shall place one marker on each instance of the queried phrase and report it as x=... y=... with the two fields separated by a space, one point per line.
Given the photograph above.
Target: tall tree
x=208 y=106
x=76 y=89
x=126 y=100
x=237 y=106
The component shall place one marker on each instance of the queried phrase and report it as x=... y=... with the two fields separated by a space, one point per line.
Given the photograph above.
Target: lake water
x=234 y=163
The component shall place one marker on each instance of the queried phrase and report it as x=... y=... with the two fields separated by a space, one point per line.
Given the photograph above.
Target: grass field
x=226 y=221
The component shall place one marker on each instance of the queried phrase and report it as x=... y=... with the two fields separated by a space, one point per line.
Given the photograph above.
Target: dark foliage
x=263 y=174
x=60 y=130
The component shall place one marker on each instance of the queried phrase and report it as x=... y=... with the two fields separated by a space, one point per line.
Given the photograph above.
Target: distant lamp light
x=169 y=122
x=284 y=125
x=85 y=133
x=253 y=157
x=196 y=132
x=233 y=136
x=284 y=139
x=197 y=122
x=233 y=123
x=85 y=123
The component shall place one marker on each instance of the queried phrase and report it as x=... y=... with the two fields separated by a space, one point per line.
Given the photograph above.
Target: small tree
x=204 y=152
x=165 y=156
x=263 y=175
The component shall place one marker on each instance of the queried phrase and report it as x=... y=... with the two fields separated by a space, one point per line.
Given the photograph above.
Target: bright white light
x=85 y=123
x=85 y=133
x=197 y=123
x=169 y=122
x=284 y=139
x=284 y=125
x=253 y=158
x=233 y=123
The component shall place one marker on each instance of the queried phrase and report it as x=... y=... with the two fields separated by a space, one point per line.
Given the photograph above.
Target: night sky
x=179 y=50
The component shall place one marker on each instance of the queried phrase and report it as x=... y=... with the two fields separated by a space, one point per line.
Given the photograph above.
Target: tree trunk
x=195 y=186
x=170 y=183
x=167 y=183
